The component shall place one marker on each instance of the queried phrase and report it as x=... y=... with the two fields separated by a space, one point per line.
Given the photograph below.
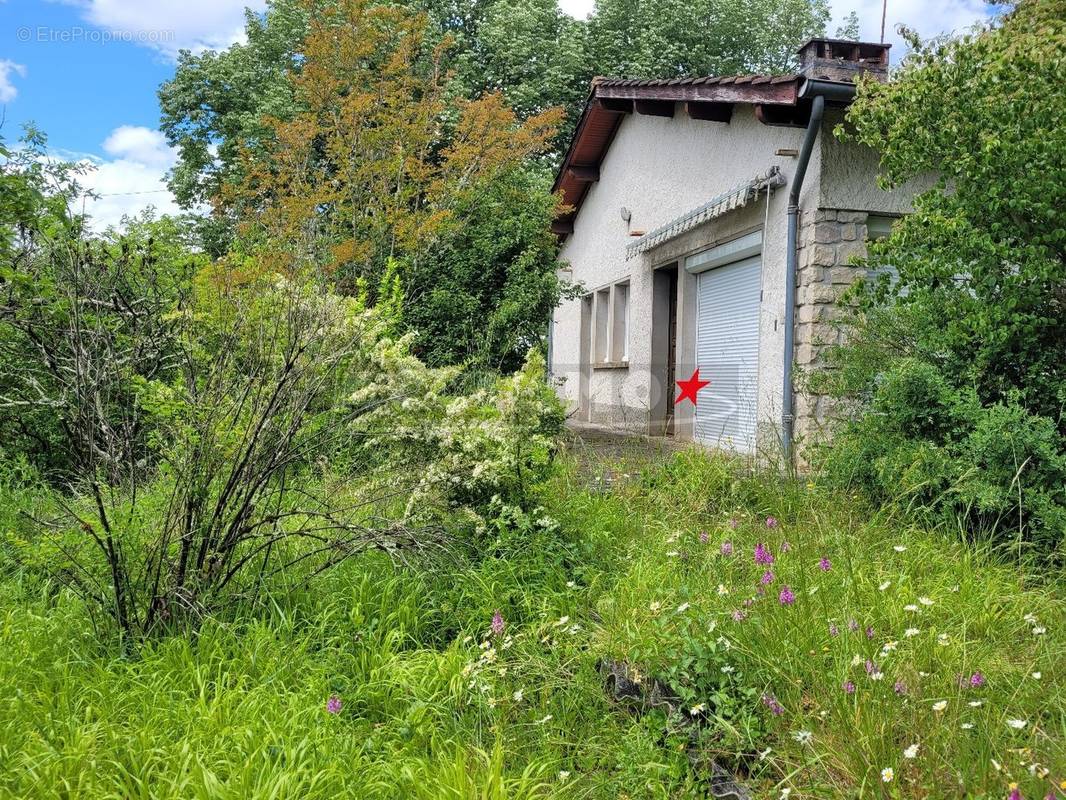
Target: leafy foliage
x=957 y=367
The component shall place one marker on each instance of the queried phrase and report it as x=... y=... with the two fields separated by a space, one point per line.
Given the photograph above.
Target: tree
x=684 y=38
x=958 y=366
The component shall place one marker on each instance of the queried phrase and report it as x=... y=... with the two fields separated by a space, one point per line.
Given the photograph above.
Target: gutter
x=821 y=92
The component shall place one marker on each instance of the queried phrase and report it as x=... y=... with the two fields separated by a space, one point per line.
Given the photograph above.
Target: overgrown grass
x=434 y=705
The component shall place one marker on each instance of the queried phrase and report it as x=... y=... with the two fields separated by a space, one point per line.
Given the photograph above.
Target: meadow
x=812 y=645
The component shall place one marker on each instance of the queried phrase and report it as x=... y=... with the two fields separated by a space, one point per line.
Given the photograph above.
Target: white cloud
x=139 y=144
x=8 y=69
x=169 y=26
x=133 y=180
x=928 y=17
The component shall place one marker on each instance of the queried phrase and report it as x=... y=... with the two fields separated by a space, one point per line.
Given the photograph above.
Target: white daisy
x=925 y=601
x=899 y=548
x=911 y=752
x=1017 y=724
x=1039 y=631
x=910 y=607
x=722 y=589
x=803 y=737
x=518 y=696
x=887 y=774
x=911 y=632
x=1036 y=676
x=940 y=705
x=699 y=708
x=564 y=774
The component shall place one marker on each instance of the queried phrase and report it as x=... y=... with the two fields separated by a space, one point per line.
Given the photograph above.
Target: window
x=620 y=323
x=610 y=332
x=880 y=227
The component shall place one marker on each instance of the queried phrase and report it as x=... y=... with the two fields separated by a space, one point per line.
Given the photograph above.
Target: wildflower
x=771 y=522
x=1039 y=631
x=763 y=555
x=699 y=708
x=749 y=602
x=869 y=632
x=925 y=601
x=833 y=630
x=728 y=669
x=1030 y=618
x=564 y=775
x=334 y=704
x=765 y=753
x=570 y=584
x=738 y=615
x=786 y=598
x=655 y=606
x=856 y=660
x=977 y=680
x=672 y=553
x=681 y=609
x=967 y=726
x=900 y=687
x=544 y=719
x=727 y=548
x=853 y=625
x=722 y=590
x=849 y=687
x=803 y=737
x=976 y=703
x=767 y=577
x=785 y=547
x=899 y=548
x=733 y=523
x=704 y=538
x=1036 y=676
x=785 y=793
x=1015 y=793
x=518 y=695
x=824 y=564
x=911 y=752
x=561 y=622
x=884 y=586
x=942 y=639
x=887 y=774
x=771 y=703
x=1017 y=724
x=940 y=705
x=910 y=607
x=911 y=632
x=871 y=667
x=497 y=623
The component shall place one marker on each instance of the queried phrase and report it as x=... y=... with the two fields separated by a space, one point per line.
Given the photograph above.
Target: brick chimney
x=842 y=60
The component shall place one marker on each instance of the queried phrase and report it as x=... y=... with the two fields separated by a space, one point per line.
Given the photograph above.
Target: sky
x=86 y=72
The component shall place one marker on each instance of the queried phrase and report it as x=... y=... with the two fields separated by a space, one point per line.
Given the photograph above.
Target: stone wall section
x=828 y=241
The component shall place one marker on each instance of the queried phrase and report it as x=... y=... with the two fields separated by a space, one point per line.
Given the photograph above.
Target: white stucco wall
x=660 y=168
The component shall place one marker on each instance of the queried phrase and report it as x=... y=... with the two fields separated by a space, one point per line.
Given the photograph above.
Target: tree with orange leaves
x=378 y=161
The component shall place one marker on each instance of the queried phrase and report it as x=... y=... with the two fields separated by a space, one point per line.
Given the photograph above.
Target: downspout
x=820 y=91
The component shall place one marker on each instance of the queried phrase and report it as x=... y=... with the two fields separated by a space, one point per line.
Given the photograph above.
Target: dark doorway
x=664 y=349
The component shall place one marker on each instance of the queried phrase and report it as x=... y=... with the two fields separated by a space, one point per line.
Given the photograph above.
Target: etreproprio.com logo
x=77 y=34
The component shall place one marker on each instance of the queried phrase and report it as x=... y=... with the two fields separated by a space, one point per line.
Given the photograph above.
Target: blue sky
x=86 y=72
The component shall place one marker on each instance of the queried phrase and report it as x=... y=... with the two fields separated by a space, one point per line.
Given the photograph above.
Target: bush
x=994 y=469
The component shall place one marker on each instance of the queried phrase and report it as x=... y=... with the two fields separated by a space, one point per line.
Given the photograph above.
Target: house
x=712 y=222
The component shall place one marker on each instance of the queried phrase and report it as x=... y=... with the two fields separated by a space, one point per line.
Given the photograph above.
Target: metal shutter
x=727 y=353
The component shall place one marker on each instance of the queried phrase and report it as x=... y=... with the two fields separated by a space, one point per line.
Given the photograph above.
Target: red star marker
x=690 y=387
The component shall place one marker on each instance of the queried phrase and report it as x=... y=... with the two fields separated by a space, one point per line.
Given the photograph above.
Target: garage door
x=727 y=353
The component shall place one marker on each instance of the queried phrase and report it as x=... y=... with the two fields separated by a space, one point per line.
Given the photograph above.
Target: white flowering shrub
x=480 y=452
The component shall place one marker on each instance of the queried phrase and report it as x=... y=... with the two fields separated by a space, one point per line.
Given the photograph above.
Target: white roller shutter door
x=727 y=353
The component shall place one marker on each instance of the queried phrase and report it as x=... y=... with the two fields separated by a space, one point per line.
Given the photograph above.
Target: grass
x=433 y=705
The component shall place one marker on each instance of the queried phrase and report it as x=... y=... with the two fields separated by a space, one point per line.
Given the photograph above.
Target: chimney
x=842 y=60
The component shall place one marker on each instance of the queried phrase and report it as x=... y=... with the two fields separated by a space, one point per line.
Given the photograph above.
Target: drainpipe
x=820 y=91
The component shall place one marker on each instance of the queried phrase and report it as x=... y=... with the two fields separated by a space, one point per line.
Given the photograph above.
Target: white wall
x=660 y=168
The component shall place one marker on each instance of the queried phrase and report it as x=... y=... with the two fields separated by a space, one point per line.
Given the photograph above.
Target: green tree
x=959 y=365
x=681 y=38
